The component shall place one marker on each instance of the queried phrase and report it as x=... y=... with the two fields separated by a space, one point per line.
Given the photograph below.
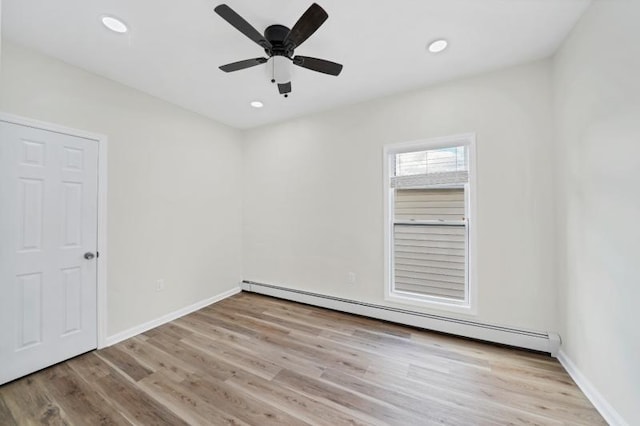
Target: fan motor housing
x=276 y=35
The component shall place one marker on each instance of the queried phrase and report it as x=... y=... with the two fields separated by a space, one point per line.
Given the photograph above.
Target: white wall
x=313 y=192
x=174 y=184
x=597 y=88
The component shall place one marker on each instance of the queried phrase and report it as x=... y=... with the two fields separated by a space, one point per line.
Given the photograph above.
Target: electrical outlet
x=351 y=277
x=159 y=285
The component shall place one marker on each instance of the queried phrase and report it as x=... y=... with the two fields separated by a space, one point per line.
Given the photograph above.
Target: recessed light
x=114 y=24
x=438 y=46
x=257 y=104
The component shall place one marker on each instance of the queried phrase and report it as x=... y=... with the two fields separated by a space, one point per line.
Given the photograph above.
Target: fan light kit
x=257 y=104
x=278 y=43
x=438 y=46
x=114 y=24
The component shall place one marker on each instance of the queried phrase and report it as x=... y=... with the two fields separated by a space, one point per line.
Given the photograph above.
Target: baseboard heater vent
x=538 y=341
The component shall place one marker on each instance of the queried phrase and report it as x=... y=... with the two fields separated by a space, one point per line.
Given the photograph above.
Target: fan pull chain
x=273 y=71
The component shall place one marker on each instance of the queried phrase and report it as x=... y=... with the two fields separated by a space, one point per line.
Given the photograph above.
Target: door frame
x=101 y=260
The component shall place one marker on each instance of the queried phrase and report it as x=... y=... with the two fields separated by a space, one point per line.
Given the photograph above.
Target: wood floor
x=254 y=360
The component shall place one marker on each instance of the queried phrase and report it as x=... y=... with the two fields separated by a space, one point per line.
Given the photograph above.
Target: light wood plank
x=255 y=360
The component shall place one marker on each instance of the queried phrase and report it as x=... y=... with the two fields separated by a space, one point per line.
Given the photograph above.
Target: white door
x=48 y=235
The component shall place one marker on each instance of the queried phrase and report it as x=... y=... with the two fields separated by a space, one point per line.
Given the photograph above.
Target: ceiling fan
x=279 y=43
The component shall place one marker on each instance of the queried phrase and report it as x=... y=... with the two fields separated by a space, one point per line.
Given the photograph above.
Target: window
x=429 y=191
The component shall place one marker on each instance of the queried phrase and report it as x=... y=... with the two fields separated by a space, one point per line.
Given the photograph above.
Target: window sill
x=430 y=303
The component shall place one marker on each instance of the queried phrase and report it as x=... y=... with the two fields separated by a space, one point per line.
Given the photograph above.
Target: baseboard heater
x=537 y=341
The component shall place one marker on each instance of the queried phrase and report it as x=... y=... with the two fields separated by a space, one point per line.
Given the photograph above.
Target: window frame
x=469 y=306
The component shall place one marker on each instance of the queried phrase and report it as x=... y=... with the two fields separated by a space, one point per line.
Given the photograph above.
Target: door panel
x=72 y=283
x=72 y=201
x=29 y=310
x=48 y=220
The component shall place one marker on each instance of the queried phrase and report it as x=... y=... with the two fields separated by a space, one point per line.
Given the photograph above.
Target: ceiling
x=174 y=48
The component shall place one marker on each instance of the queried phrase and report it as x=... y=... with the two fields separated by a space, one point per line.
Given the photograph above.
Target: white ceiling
x=174 y=48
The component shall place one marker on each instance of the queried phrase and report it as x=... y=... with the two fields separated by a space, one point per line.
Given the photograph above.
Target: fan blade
x=308 y=23
x=284 y=88
x=241 y=25
x=240 y=65
x=319 y=65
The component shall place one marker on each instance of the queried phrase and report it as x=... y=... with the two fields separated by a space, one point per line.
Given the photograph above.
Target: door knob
x=88 y=255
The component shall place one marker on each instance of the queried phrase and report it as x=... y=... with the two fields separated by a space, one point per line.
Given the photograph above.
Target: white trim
x=597 y=399
x=102 y=242
x=470 y=306
x=134 y=331
x=433 y=143
x=52 y=127
x=538 y=341
x=431 y=302
x=102 y=246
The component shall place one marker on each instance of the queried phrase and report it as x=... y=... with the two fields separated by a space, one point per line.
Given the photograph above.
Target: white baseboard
x=134 y=331
x=605 y=409
x=539 y=341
